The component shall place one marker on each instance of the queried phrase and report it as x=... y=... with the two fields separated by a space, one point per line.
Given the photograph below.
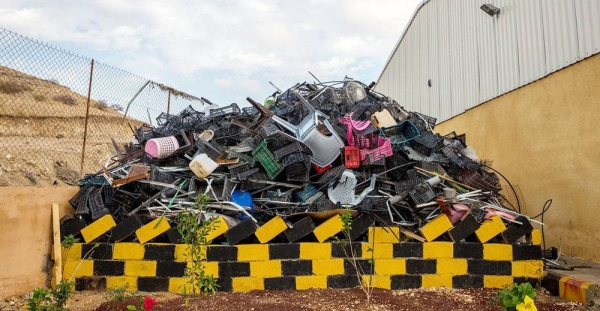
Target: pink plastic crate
x=384 y=149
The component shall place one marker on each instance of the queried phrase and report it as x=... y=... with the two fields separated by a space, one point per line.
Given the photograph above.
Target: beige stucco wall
x=545 y=138
x=26 y=235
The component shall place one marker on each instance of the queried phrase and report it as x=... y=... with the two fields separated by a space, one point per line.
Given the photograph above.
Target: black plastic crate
x=331 y=175
x=126 y=198
x=157 y=175
x=454 y=157
x=239 y=167
x=398 y=160
x=212 y=150
x=299 y=177
x=249 y=111
x=232 y=109
x=288 y=149
x=421 y=121
x=242 y=156
x=433 y=167
x=245 y=174
x=96 y=205
x=427 y=143
x=421 y=194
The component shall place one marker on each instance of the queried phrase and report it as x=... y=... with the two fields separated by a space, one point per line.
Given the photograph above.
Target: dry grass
x=13 y=87
x=66 y=99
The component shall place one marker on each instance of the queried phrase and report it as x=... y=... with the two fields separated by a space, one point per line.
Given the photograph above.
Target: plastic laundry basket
x=161 y=147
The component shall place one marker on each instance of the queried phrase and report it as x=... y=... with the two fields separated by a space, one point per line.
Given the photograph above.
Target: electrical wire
x=509 y=184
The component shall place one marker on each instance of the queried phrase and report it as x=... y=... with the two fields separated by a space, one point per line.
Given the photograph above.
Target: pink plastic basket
x=352 y=124
x=161 y=148
x=384 y=149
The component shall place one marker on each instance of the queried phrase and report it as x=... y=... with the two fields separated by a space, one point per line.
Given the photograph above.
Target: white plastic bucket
x=202 y=165
x=161 y=147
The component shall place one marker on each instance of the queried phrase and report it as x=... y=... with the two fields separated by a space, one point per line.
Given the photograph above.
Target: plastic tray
x=421 y=194
x=401 y=134
x=427 y=143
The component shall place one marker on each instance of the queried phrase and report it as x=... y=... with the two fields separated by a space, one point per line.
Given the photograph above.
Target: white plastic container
x=202 y=165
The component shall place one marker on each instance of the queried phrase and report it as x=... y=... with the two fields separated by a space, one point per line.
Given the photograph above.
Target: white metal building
x=453 y=56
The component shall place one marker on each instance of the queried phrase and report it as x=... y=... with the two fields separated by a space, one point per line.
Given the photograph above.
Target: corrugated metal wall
x=453 y=56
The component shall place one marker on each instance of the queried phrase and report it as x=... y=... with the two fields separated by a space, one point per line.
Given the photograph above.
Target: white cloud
x=181 y=43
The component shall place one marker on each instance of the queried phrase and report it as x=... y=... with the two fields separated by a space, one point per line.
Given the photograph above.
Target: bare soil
x=324 y=299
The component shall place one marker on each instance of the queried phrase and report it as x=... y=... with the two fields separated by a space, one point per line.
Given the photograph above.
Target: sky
x=221 y=50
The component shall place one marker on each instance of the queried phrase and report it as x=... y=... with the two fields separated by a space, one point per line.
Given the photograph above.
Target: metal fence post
x=169 y=103
x=87 y=115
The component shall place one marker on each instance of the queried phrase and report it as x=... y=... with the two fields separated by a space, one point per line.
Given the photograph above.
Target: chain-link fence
x=59 y=111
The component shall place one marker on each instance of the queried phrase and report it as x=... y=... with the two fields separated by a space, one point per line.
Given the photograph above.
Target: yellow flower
x=527 y=305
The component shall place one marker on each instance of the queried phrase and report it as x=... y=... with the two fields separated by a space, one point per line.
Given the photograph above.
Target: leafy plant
x=69 y=240
x=194 y=230
x=119 y=293
x=350 y=254
x=518 y=297
x=61 y=294
x=40 y=299
x=51 y=300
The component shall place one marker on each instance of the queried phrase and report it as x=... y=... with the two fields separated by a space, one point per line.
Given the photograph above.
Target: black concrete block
x=280 y=283
x=344 y=250
x=408 y=250
x=72 y=227
x=234 y=269
x=126 y=228
x=300 y=229
x=109 y=267
x=421 y=266
x=241 y=231
x=527 y=252
x=468 y=250
x=405 y=281
x=467 y=281
x=363 y=265
x=342 y=281
x=534 y=282
x=225 y=284
x=284 y=251
x=170 y=268
x=174 y=236
x=296 y=267
x=463 y=229
x=360 y=225
x=95 y=283
x=153 y=284
x=221 y=253
x=159 y=252
x=515 y=231
x=489 y=267
x=97 y=251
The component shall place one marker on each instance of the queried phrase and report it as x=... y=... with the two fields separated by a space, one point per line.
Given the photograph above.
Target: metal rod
x=169 y=102
x=87 y=116
x=132 y=99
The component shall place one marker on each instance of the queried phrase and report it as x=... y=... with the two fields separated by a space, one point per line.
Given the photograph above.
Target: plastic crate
x=433 y=167
x=398 y=160
x=232 y=109
x=308 y=192
x=239 y=167
x=331 y=175
x=249 y=111
x=245 y=174
x=157 y=175
x=480 y=179
x=212 y=151
x=383 y=149
x=421 y=121
x=288 y=149
x=421 y=194
x=251 y=185
x=321 y=170
x=263 y=155
x=302 y=177
x=351 y=157
x=401 y=134
x=96 y=205
x=126 y=198
x=242 y=156
x=427 y=143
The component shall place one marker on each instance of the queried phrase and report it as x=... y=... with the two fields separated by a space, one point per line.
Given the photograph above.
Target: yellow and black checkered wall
x=298 y=266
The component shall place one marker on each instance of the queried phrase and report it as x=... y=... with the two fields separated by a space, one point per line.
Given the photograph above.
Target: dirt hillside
x=42 y=129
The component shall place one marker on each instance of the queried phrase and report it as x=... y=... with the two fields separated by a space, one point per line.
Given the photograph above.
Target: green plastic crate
x=263 y=155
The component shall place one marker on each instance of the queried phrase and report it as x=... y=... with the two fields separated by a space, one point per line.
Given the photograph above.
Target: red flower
x=149 y=303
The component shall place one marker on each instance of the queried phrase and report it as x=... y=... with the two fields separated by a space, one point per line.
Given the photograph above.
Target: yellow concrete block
x=536 y=237
x=436 y=227
x=572 y=289
x=377 y=250
x=211 y=268
x=311 y=281
x=329 y=228
x=267 y=269
x=252 y=252
x=384 y=235
x=140 y=268
x=315 y=250
x=497 y=281
x=128 y=251
x=328 y=266
x=497 y=252
x=390 y=266
x=98 y=228
x=219 y=228
x=438 y=249
x=451 y=266
x=76 y=268
x=179 y=286
x=115 y=282
x=528 y=268
x=377 y=281
x=490 y=228
x=270 y=230
x=181 y=252
x=436 y=280
x=246 y=284
x=72 y=253
x=151 y=230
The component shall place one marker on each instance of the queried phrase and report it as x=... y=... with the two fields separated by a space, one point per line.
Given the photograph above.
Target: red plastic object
x=351 y=157
x=384 y=149
x=319 y=169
